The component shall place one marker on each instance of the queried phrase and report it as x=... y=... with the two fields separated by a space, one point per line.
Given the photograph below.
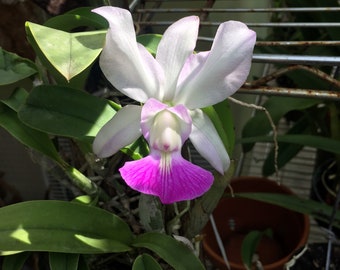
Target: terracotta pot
x=235 y=217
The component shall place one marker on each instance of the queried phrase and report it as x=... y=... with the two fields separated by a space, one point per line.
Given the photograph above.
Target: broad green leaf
x=15 y=262
x=277 y=107
x=66 y=112
x=58 y=226
x=14 y=68
x=69 y=53
x=176 y=254
x=150 y=41
x=75 y=18
x=319 y=142
x=30 y=137
x=145 y=262
x=65 y=261
x=316 y=209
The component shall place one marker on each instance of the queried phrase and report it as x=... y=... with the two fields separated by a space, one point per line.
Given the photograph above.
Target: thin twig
x=274 y=75
x=276 y=145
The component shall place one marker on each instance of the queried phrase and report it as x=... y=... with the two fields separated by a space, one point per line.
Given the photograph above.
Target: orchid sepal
x=207 y=142
x=122 y=130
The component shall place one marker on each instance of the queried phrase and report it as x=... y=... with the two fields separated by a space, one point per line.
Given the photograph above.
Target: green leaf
x=65 y=261
x=14 y=68
x=150 y=41
x=146 y=262
x=30 y=137
x=58 y=226
x=86 y=199
x=17 y=98
x=75 y=18
x=224 y=113
x=65 y=111
x=250 y=244
x=277 y=107
x=137 y=149
x=69 y=53
x=15 y=262
x=316 y=209
x=176 y=254
x=319 y=142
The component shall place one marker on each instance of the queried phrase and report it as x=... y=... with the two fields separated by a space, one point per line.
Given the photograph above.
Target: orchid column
x=172 y=87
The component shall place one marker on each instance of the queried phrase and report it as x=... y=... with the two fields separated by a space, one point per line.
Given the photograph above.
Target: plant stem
x=83 y=183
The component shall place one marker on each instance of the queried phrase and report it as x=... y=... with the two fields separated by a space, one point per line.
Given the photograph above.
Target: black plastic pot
x=313 y=257
x=323 y=184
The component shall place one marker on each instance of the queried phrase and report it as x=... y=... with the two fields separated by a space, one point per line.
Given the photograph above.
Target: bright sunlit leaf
x=58 y=226
x=69 y=53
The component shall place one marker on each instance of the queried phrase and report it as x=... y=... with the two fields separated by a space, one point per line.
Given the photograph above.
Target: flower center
x=165 y=132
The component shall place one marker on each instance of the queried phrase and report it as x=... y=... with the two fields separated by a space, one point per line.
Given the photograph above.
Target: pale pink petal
x=207 y=142
x=192 y=66
x=149 y=111
x=122 y=130
x=181 y=181
x=224 y=69
x=176 y=45
x=152 y=107
x=126 y=64
x=185 y=121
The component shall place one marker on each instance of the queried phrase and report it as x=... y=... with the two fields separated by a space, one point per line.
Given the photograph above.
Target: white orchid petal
x=176 y=45
x=128 y=65
x=224 y=69
x=205 y=139
x=123 y=129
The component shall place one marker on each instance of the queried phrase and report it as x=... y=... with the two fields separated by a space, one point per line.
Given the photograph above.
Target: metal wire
x=145 y=14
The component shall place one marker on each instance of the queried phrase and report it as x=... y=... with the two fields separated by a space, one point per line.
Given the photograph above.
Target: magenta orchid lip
x=173 y=86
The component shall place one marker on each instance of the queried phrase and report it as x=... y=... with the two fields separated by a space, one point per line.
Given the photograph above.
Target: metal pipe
x=291 y=92
x=264 y=24
x=297 y=59
x=238 y=10
x=287 y=43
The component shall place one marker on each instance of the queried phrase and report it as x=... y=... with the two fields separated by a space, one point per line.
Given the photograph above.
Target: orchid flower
x=172 y=88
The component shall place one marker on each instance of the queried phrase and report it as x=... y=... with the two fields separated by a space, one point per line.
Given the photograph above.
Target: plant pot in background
x=324 y=185
x=236 y=217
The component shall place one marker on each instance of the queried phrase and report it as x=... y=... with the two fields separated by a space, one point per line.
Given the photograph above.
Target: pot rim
x=303 y=239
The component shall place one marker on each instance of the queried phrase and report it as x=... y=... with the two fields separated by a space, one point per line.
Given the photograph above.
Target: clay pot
x=236 y=217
